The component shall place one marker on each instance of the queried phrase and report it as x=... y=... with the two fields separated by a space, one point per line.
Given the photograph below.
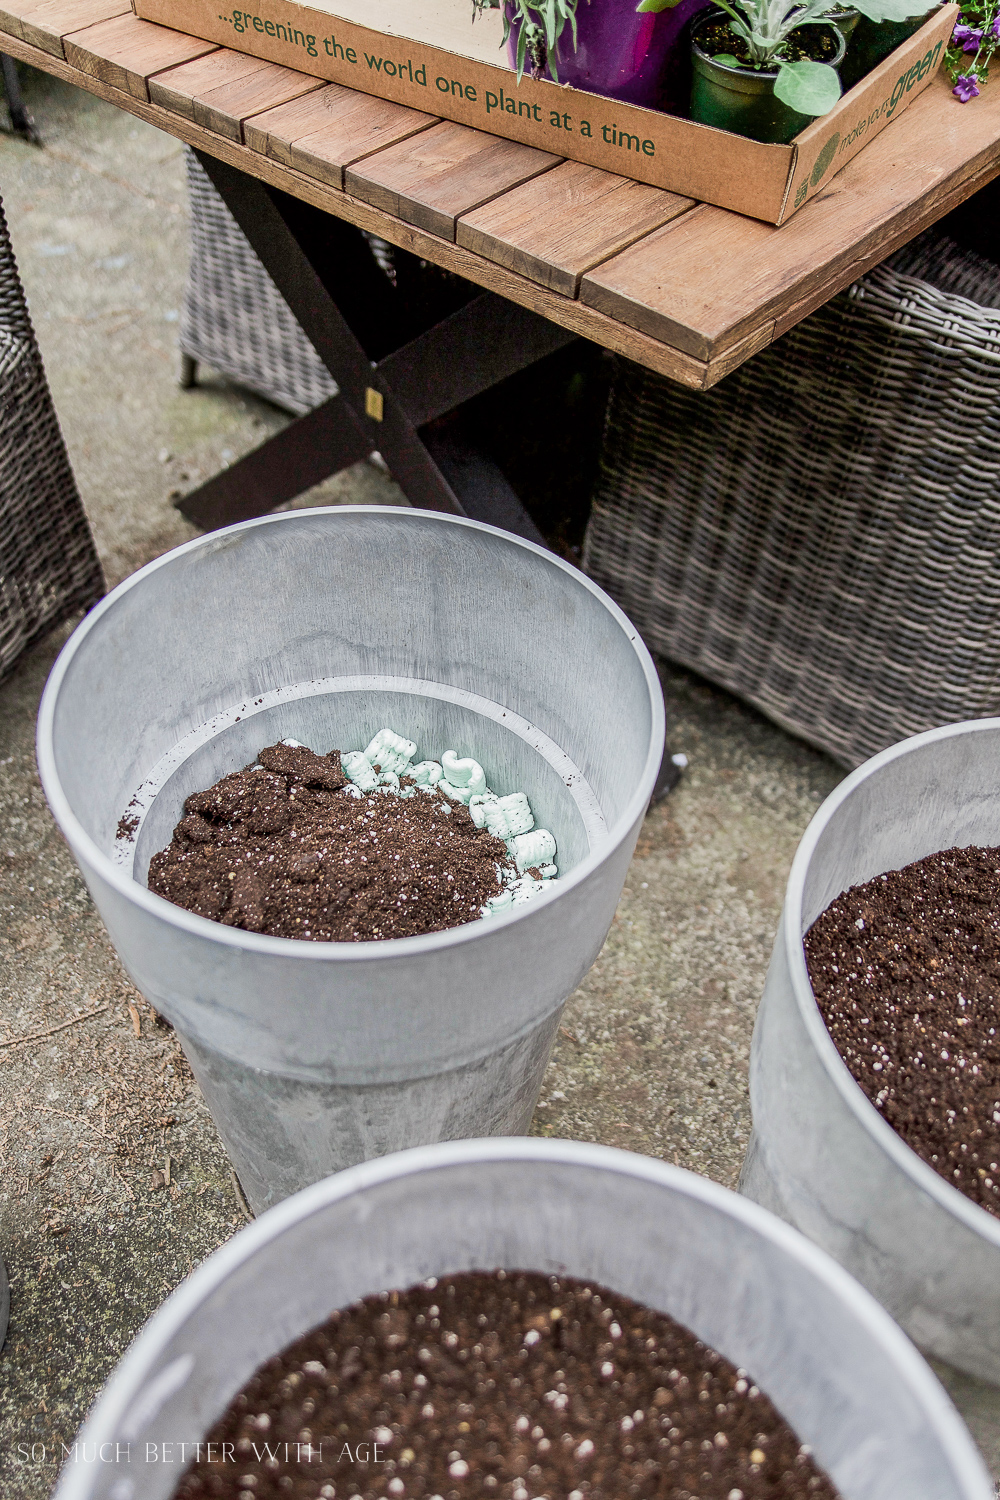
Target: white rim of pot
x=331 y=952
x=141 y=1360
x=923 y=1176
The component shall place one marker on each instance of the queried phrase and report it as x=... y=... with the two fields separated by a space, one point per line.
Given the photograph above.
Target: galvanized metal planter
x=325 y=626
x=820 y=1154
x=835 y=1365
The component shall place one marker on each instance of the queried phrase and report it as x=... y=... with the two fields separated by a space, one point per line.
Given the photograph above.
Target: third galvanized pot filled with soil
x=910 y=1210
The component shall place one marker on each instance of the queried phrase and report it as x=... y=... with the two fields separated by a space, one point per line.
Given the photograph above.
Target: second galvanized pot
x=820 y=1153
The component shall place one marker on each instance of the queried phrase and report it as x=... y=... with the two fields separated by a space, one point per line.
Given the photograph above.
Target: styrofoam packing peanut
x=350 y=790
x=547 y=872
x=426 y=774
x=455 y=793
x=478 y=805
x=389 y=782
x=390 y=751
x=522 y=890
x=518 y=813
x=466 y=773
x=358 y=768
x=532 y=849
x=295 y=744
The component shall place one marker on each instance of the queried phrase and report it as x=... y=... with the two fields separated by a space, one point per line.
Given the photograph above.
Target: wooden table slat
x=433 y=178
x=45 y=22
x=702 y=282
x=557 y=226
x=323 y=133
x=125 y=52
x=220 y=89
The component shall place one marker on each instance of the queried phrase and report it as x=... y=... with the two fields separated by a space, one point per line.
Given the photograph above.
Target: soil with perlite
x=509 y=1385
x=289 y=851
x=809 y=43
x=906 y=972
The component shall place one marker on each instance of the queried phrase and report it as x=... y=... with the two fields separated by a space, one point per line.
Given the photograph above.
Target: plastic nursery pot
x=835 y=1365
x=324 y=626
x=846 y=20
x=742 y=100
x=820 y=1154
x=871 y=41
x=639 y=59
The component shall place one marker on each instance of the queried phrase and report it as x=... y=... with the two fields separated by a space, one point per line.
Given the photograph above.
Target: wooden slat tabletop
x=432 y=179
x=125 y=51
x=687 y=289
x=556 y=227
x=220 y=90
x=322 y=134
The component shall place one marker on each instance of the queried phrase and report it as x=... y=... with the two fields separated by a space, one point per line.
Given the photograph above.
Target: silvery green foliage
x=811 y=88
x=541 y=27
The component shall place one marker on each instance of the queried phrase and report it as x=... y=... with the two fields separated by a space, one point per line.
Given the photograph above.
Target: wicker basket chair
x=820 y=534
x=48 y=565
x=234 y=317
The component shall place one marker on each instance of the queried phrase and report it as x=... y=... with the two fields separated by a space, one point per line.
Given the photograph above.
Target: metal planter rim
x=328 y=952
x=790 y=933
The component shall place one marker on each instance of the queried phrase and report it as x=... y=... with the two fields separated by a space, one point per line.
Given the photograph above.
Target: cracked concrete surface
x=114 y=1184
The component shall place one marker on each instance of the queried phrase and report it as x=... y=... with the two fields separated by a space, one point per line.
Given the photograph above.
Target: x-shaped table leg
x=380 y=404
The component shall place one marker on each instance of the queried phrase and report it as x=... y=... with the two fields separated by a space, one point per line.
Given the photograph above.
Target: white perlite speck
x=461 y=779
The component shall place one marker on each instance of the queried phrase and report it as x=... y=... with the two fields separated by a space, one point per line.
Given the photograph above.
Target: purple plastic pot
x=639 y=59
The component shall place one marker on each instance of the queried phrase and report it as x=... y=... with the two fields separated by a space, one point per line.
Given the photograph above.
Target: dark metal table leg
x=20 y=119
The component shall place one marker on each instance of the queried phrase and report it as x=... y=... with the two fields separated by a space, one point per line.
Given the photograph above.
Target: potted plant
x=324 y=626
x=872 y=41
x=764 y=68
x=609 y=47
x=850 y=1384
x=821 y=1154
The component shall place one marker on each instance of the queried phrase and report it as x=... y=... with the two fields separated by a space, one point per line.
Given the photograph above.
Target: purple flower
x=968 y=36
x=966 y=88
x=995 y=28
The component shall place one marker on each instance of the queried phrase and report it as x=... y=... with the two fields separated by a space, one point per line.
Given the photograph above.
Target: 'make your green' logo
x=882 y=113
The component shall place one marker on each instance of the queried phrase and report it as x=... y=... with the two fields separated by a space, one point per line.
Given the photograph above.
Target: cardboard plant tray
x=429 y=55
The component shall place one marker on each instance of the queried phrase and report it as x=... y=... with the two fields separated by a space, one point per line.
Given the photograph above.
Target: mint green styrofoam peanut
x=427 y=773
x=467 y=773
x=478 y=805
x=454 y=793
x=518 y=811
x=390 y=751
x=532 y=849
x=358 y=768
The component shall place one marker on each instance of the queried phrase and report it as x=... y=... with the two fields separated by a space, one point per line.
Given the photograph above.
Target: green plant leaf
x=656 y=5
x=890 y=10
x=727 y=58
x=811 y=88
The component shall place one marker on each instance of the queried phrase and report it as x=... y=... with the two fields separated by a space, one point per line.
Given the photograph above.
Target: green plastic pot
x=872 y=41
x=742 y=100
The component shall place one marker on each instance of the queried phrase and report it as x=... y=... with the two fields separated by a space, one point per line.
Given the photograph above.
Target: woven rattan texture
x=820 y=533
x=48 y=566
x=235 y=319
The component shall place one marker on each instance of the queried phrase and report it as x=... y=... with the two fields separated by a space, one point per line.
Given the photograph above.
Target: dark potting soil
x=815 y=43
x=288 y=852
x=511 y=1386
x=906 y=972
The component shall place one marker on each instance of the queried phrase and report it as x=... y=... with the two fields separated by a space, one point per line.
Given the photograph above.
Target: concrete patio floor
x=113 y=1183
